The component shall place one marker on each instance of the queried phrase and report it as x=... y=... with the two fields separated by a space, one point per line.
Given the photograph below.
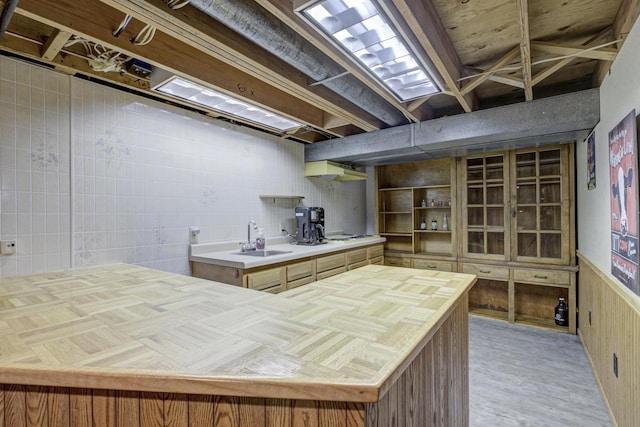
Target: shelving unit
x=410 y=194
x=512 y=227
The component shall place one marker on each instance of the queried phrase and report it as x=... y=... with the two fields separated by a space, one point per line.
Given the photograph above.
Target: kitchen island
x=126 y=345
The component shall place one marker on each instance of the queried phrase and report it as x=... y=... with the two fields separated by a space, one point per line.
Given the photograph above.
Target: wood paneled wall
x=31 y=406
x=614 y=328
x=432 y=390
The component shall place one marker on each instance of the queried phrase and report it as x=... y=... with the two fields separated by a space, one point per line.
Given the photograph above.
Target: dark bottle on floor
x=562 y=313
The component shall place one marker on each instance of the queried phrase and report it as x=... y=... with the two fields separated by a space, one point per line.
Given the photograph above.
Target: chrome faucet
x=248 y=245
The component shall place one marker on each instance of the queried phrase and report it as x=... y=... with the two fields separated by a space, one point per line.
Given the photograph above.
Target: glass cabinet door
x=484 y=201
x=539 y=209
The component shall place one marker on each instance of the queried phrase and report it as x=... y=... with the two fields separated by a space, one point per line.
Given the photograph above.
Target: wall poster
x=623 y=166
x=591 y=161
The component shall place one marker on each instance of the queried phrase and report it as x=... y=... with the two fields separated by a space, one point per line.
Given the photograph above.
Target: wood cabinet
x=416 y=207
x=510 y=223
x=516 y=205
x=292 y=274
x=517 y=209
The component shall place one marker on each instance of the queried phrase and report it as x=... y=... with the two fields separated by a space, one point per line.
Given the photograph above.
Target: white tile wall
x=34 y=146
x=113 y=177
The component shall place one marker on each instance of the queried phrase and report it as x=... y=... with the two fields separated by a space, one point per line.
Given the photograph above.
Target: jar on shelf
x=562 y=313
x=434 y=224
x=423 y=225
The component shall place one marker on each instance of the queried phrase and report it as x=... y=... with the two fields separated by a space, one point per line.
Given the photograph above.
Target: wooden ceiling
x=486 y=52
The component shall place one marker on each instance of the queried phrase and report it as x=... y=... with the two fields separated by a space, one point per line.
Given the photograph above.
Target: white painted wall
x=619 y=94
x=91 y=175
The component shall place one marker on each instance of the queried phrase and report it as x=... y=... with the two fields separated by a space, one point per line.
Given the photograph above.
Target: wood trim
x=171 y=54
x=285 y=12
x=525 y=46
x=54 y=44
x=195 y=28
x=626 y=17
x=614 y=328
x=421 y=15
x=500 y=63
x=603 y=54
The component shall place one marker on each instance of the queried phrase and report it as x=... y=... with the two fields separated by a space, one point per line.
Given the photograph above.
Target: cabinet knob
x=539 y=276
x=485 y=271
x=432 y=266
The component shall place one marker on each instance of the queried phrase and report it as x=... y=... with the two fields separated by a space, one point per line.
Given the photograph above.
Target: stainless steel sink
x=262 y=253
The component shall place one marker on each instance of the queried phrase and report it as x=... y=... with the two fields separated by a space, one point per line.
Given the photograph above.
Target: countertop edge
x=227 y=258
x=166 y=382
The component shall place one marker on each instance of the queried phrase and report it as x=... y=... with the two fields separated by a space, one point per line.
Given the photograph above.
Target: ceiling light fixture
x=361 y=29
x=194 y=93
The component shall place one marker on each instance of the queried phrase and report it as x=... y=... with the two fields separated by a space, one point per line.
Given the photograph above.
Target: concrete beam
x=544 y=121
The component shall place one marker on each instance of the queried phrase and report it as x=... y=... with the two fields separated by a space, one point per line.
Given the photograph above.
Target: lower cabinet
x=272 y=280
x=523 y=295
x=300 y=273
x=291 y=275
x=426 y=264
x=514 y=292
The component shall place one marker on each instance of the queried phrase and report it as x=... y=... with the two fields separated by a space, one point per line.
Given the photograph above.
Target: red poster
x=623 y=166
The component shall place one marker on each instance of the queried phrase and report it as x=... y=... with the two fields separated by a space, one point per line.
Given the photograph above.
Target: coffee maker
x=309 y=225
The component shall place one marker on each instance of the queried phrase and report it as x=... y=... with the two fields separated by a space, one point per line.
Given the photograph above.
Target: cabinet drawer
x=397 y=262
x=357 y=265
x=329 y=273
x=265 y=279
x=330 y=262
x=356 y=256
x=377 y=260
x=300 y=282
x=274 y=289
x=300 y=270
x=542 y=276
x=375 y=251
x=425 y=264
x=487 y=271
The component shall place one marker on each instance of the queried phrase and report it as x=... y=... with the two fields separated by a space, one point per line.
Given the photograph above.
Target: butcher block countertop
x=133 y=328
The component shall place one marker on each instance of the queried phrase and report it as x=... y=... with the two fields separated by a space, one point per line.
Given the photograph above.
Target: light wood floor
x=522 y=376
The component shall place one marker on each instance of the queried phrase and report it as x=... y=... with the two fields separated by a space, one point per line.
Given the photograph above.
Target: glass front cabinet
x=517 y=206
x=509 y=220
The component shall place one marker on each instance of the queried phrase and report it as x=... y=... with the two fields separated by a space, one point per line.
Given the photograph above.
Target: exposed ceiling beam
x=198 y=30
x=283 y=10
x=69 y=63
x=603 y=54
x=626 y=17
x=500 y=63
x=548 y=71
x=525 y=47
x=422 y=18
x=510 y=81
x=54 y=44
x=164 y=51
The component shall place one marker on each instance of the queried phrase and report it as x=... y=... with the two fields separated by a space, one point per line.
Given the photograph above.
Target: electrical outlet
x=8 y=247
x=615 y=365
x=589 y=317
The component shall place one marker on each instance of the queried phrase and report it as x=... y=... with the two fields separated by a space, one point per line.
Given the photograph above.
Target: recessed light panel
x=362 y=30
x=211 y=99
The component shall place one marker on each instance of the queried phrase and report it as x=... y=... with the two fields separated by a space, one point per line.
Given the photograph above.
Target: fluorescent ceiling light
x=211 y=99
x=360 y=28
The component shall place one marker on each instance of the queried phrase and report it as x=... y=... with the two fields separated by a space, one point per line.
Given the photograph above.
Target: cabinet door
x=540 y=212
x=485 y=214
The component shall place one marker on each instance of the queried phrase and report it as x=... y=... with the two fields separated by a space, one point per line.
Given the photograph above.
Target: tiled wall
x=141 y=174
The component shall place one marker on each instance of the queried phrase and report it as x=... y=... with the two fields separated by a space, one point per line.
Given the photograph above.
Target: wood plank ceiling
x=486 y=53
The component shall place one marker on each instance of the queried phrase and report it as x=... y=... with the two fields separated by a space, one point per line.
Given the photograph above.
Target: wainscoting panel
x=609 y=325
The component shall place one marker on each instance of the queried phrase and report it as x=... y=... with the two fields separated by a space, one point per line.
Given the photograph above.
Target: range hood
x=330 y=170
